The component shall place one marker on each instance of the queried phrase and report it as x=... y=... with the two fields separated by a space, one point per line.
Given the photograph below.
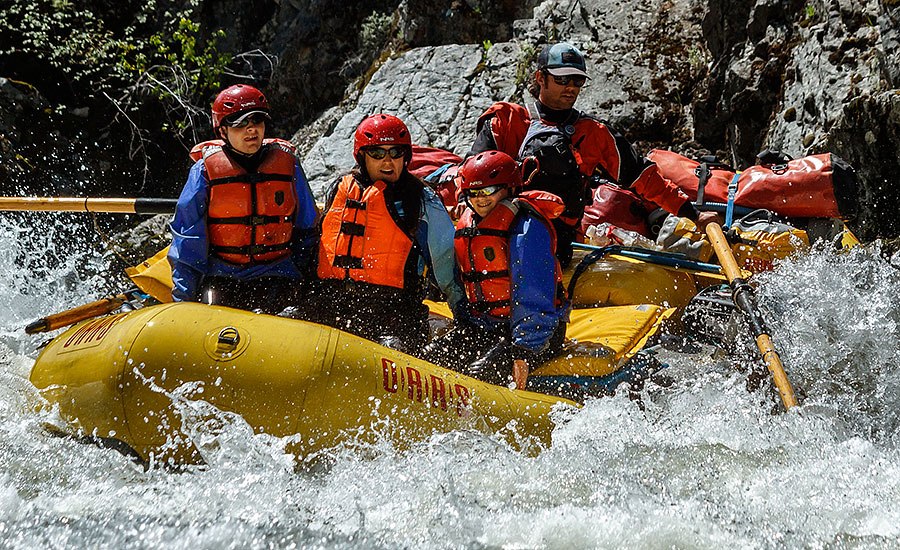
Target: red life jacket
x=483 y=255
x=595 y=147
x=250 y=217
x=360 y=239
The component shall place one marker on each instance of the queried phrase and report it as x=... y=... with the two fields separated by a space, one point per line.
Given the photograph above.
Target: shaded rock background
x=727 y=77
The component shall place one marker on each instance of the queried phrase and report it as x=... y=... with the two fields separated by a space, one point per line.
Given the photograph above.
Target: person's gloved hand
x=706 y=218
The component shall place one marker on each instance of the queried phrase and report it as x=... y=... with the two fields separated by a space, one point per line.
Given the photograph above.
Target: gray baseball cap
x=562 y=59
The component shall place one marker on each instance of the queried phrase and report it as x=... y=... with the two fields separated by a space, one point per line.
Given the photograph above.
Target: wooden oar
x=76 y=314
x=744 y=300
x=78 y=204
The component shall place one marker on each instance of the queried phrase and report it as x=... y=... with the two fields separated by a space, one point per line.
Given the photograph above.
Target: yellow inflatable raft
x=132 y=377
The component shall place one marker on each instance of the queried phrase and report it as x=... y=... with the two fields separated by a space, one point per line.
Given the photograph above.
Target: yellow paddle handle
x=723 y=251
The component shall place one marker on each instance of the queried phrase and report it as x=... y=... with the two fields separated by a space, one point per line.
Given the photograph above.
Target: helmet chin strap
x=231 y=150
x=224 y=135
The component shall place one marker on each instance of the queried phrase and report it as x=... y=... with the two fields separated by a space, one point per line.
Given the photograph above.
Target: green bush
x=158 y=57
x=376 y=30
x=68 y=39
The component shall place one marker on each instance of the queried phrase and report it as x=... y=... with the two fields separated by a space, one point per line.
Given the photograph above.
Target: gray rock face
x=867 y=134
x=437 y=91
x=440 y=91
x=696 y=76
x=835 y=60
x=729 y=77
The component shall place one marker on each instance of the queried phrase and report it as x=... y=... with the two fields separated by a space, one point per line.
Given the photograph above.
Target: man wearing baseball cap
x=562 y=149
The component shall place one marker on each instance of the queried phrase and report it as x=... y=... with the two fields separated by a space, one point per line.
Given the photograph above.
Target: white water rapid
x=704 y=464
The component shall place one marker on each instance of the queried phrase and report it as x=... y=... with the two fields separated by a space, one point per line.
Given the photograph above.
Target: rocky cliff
x=728 y=77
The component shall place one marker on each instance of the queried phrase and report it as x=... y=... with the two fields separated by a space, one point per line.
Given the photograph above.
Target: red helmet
x=237 y=99
x=490 y=168
x=380 y=130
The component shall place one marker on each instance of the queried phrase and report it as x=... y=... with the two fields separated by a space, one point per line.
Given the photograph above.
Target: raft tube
x=133 y=378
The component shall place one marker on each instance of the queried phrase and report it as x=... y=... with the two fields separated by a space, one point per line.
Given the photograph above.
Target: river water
x=704 y=463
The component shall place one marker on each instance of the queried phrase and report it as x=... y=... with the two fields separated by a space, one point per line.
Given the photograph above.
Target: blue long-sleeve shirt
x=189 y=253
x=435 y=237
x=534 y=314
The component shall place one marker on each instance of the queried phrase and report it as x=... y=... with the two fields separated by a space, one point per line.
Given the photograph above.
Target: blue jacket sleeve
x=305 y=239
x=534 y=315
x=437 y=243
x=189 y=250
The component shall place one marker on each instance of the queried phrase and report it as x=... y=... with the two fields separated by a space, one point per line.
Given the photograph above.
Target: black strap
x=250 y=250
x=353 y=229
x=587 y=262
x=256 y=177
x=250 y=220
x=348 y=262
x=479 y=276
x=703 y=177
x=353 y=203
x=485 y=307
x=467 y=232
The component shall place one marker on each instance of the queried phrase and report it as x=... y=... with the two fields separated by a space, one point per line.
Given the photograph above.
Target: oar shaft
x=773 y=362
x=78 y=204
x=743 y=298
x=74 y=315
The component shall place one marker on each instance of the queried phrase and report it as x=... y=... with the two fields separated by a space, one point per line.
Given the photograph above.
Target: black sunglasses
x=577 y=81
x=378 y=153
x=256 y=118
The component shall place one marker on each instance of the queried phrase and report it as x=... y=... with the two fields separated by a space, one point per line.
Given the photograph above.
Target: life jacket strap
x=468 y=232
x=250 y=250
x=353 y=229
x=251 y=220
x=486 y=307
x=256 y=177
x=479 y=276
x=348 y=262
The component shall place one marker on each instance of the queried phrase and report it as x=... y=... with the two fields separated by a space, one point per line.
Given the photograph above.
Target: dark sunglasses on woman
x=577 y=81
x=378 y=153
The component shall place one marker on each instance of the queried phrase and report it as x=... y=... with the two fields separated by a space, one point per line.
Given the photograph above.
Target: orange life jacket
x=483 y=254
x=250 y=217
x=361 y=241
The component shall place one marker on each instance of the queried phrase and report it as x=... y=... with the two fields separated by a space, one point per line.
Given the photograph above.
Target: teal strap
x=732 y=191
